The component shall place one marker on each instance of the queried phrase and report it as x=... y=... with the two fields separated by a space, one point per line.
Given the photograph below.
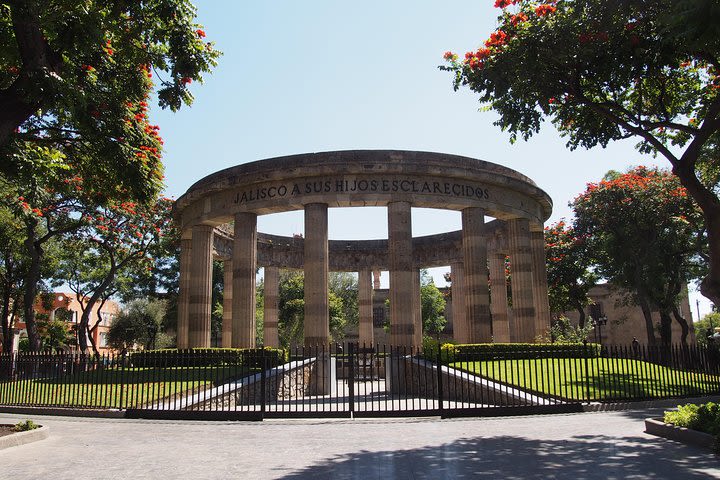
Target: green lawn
x=608 y=379
x=115 y=387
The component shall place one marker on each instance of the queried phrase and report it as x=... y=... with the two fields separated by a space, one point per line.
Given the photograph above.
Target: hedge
x=512 y=351
x=203 y=357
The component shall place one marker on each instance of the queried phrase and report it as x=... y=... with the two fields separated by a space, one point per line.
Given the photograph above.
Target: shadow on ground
x=508 y=457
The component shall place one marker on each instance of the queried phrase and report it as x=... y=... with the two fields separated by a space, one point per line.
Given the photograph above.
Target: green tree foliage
x=432 y=305
x=291 y=309
x=345 y=286
x=568 y=261
x=75 y=81
x=139 y=323
x=644 y=231
x=611 y=70
x=115 y=240
x=13 y=265
x=705 y=327
x=562 y=331
x=46 y=208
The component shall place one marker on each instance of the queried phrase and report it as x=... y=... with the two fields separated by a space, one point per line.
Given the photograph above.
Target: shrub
x=507 y=351
x=25 y=426
x=204 y=357
x=704 y=418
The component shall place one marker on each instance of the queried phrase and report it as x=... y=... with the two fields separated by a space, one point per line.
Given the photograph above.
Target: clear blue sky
x=324 y=75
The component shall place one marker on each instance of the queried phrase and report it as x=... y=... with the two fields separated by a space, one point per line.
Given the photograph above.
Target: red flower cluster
x=497 y=39
x=448 y=55
x=544 y=9
x=146 y=68
x=200 y=33
x=88 y=68
x=504 y=3
x=477 y=59
x=13 y=70
x=186 y=80
x=519 y=18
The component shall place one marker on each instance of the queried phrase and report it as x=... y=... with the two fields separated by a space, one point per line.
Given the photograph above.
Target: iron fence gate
x=354 y=380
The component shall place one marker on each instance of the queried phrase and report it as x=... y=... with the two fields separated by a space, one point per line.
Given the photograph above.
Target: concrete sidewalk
x=603 y=445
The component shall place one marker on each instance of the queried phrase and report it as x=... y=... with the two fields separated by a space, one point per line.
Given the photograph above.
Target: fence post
x=439 y=379
x=351 y=376
x=122 y=380
x=587 y=372
x=264 y=364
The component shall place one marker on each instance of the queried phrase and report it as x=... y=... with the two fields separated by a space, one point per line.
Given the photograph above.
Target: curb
x=21 y=438
x=679 y=434
x=63 y=412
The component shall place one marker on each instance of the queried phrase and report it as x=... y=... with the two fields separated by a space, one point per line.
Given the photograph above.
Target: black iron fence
x=357 y=380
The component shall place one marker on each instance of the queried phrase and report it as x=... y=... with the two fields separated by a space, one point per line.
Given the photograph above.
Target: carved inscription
x=338 y=185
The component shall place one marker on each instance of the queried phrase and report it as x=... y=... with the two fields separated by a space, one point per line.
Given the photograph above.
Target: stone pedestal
x=402 y=316
x=199 y=305
x=317 y=321
x=244 y=261
x=521 y=280
x=270 y=308
x=477 y=297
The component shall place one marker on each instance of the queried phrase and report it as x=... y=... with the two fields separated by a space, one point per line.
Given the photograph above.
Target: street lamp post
x=602 y=320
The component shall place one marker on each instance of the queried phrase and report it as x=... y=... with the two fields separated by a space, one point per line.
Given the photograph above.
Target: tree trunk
x=581 y=313
x=87 y=311
x=34 y=85
x=683 y=325
x=710 y=206
x=710 y=285
x=6 y=323
x=665 y=327
x=650 y=327
x=32 y=278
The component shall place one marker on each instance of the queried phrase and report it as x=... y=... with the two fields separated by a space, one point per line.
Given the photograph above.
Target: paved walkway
x=607 y=445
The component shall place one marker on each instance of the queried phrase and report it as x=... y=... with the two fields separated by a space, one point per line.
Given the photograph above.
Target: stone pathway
x=607 y=445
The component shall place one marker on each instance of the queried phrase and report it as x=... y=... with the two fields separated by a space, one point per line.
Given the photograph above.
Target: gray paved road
x=578 y=446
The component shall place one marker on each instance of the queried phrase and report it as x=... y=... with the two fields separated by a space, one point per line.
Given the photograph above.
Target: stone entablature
x=353 y=255
x=362 y=178
x=397 y=180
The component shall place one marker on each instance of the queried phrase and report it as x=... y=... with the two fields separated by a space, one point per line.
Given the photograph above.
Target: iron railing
x=358 y=380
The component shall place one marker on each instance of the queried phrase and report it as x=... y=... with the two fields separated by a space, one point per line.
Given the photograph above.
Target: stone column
x=184 y=293
x=477 y=297
x=270 y=307
x=317 y=321
x=402 y=326
x=227 y=304
x=365 y=307
x=199 y=305
x=498 y=299
x=521 y=280
x=417 y=309
x=244 y=262
x=540 y=285
x=461 y=329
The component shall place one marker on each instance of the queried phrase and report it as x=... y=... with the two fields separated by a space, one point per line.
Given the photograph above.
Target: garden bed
x=656 y=426
x=10 y=438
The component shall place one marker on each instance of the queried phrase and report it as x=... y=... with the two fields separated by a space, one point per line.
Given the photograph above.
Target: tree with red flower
x=643 y=69
x=647 y=237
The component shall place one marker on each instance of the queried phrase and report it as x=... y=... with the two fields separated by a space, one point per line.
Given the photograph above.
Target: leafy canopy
x=76 y=79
